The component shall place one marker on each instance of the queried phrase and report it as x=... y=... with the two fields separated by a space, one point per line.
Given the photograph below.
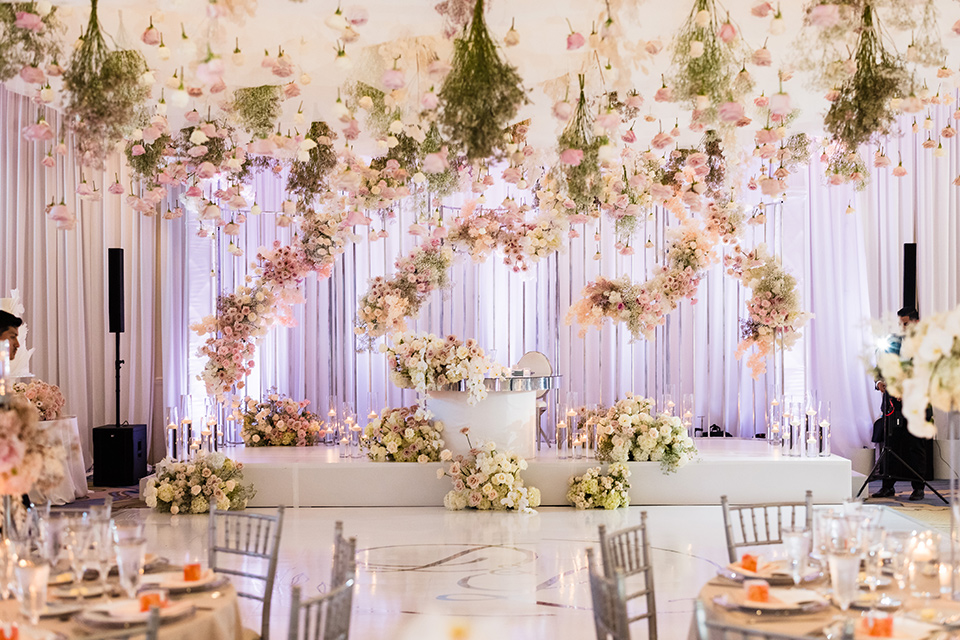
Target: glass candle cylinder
x=562 y=443
x=923 y=565
x=183 y=438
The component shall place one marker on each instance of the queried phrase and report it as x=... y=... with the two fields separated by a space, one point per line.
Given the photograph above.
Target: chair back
x=609 y=602
x=755 y=524
x=628 y=551
x=240 y=536
x=149 y=632
x=344 y=557
x=324 y=617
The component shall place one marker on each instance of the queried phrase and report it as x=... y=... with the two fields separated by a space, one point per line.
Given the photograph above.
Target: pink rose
x=29 y=21
x=562 y=110
x=38 y=132
x=572 y=157
x=575 y=41
x=393 y=79
x=824 y=15
x=60 y=212
x=762 y=9
x=762 y=57
x=727 y=32
x=663 y=94
x=137 y=150
x=661 y=140
x=206 y=170
x=435 y=162
x=48 y=161
x=899 y=171
x=150 y=36
x=429 y=101
x=780 y=104
x=32 y=75
x=629 y=137
x=730 y=111
x=116 y=189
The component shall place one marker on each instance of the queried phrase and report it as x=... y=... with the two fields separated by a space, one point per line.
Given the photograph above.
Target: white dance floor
x=745 y=470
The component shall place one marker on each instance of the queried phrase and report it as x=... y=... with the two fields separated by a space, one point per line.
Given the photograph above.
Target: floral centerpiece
x=631 y=432
x=279 y=421
x=190 y=487
x=28 y=457
x=424 y=361
x=595 y=489
x=45 y=397
x=487 y=480
x=927 y=371
x=407 y=434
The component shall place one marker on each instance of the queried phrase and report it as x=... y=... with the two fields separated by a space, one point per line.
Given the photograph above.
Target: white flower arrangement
x=190 y=487
x=630 y=431
x=407 y=434
x=426 y=362
x=28 y=455
x=487 y=480
x=594 y=489
x=927 y=371
x=278 y=421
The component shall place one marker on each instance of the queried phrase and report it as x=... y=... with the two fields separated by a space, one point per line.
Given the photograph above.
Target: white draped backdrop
x=849 y=266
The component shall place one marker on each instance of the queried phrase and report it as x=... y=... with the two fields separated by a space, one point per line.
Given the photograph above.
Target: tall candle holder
x=774 y=432
x=183 y=438
x=812 y=429
x=825 y=432
x=331 y=435
x=171 y=420
x=562 y=435
x=797 y=436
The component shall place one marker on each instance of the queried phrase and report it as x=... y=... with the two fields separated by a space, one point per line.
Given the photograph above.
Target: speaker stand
x=118 y=363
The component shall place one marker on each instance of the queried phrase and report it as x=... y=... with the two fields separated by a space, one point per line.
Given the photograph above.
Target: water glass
x=8 y=559
x=923 y=565
x=797 y=542
x=130 y=554
x=896 y=544
x=32 y=575
x=127 y=530
x=844 y=571
x=75 y=540
x=872 y=536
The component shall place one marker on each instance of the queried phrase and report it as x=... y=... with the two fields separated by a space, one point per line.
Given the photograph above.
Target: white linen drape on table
x=65 y=433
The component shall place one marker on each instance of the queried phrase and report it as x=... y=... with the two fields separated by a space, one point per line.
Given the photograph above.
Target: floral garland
x=190 y=487
x=595 y=489
x=28 y=455
x=631 y=432
x=487 y=480
x=45 y=397
x=279 y=421
x=427 y=362
x=774 y=306
x=407 y=434
x=927 y=370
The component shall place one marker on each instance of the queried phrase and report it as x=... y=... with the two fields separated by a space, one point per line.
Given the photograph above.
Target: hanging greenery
x=29 y=41
x=580 y=172
x=215 y=145
x=712 y=147
x=703 y=64
x=258 y=109
x=104 y=91
x=862 y=108
x=309 y=179
x=480 y=95
x=147 y=165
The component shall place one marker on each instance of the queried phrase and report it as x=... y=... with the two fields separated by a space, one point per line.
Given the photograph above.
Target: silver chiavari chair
x=628 y=550
x=323 y=617
x=608 y=595
x=756 y=524
x=240 y=537
x=344 y=557
x=150 y=631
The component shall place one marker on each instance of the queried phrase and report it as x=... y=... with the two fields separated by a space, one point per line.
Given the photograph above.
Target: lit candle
x=824 y=423
x=811 y=411
x=775 y=428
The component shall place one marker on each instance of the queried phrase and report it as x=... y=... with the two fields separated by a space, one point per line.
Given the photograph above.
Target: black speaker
x=119 y=455
x=910 y=276
x=115 y=288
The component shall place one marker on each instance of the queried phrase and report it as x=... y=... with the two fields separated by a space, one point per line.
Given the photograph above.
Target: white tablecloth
x=66 y=433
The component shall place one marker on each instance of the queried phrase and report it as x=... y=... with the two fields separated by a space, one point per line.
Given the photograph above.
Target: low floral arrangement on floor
x=28 y=457
x=407 y=434
x=631 y=432
x=191 y=486
x=279 y=421
x=427 y=362
x=927 y=371
x=45 y=397
x=595 y=489
x=775 y=313
x=487 y=480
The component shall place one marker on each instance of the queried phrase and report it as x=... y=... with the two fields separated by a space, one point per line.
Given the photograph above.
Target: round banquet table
x=64 y=432
x=217 y=617
x=805 y=623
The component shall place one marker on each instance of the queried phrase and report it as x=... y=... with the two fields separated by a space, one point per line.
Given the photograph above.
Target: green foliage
x=583 y=183
x=257 y=109
x=480 y=95
x=149 y=164
x=309 y=179
x=711 y=74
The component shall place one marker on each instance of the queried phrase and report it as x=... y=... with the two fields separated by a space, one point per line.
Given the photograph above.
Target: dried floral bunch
x=308 y=179
x=862 y=108
x=28 y=38
x=104 y=92
x=480 y=95
x=145 y=159
x=704 y=65
x=579 y=166
x=258 y=108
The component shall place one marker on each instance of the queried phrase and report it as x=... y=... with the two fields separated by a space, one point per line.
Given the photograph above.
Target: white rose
x=174 y=510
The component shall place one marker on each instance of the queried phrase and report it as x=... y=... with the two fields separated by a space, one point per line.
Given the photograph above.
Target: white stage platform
x=744 y=470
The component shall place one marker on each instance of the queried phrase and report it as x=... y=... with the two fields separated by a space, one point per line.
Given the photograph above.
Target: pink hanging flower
x=762 y=58
x=194 y=192
x=948 y=132
x=562 y=110
x=653 y=47
x=60 y=213
x=663 y=94
x=571 y=157
x=206 y=170
x=393 y=79
x=956 y=27
x=780 y=104
x=761 y=10
x=662 y=140
x=137 y=150
x=48 y=161
x=38 y=132
x=727 y=32
x=629 y=137
x=291 y=90
x=435 y=162
x=882 y=161
x=150 y=35
x=824 y=15
x=899 y=171
x=429 y=101
x=54 y=70
x=575 y=40
x=730 y=111
x=29 y=21
x=33 y=75
x=116 y=189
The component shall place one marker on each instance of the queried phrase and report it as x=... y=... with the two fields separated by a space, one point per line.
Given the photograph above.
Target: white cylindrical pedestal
x=507 y=418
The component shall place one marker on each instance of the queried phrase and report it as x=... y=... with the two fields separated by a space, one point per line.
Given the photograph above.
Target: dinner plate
x=120 y=613
x=880 y=601
x=775 y=573
x=904 y=628
x=64 y=577
x=57 y=609
x=782 y=601
x=72 y=591
x=882 y=582
x=173 y=581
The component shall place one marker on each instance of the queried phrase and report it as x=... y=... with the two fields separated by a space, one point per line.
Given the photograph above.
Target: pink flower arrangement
x=407 y=434
x=279 y=421
x=28 y=457
x=45 y=397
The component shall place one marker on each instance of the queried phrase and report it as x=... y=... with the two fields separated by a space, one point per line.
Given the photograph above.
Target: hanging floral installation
x=579 y=167
x=30 y=42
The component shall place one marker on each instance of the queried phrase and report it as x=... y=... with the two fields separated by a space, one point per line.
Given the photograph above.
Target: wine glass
x=76 y=539
x=797 y=544
x=100 y=554
x=130 y=555
x=32 y=571
x=872 y=537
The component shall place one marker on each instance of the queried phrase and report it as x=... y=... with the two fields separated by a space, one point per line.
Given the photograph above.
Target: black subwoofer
x=119 y=455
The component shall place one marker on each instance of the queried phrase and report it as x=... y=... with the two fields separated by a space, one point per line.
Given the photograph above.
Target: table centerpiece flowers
x=45 y=397
x=927 y=370
x=595 y=489
x=427 y=362
x=28 y=457
x=279 y=421
x=407 y=434
x=487 y=479
x=631 y=431
x=190 y=486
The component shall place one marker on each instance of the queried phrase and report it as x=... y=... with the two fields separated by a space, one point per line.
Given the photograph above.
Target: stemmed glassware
x=100 y=553
x=32 y=571
x=797 y=544
x=75 y=538
x=130 y=555
x=872 y=537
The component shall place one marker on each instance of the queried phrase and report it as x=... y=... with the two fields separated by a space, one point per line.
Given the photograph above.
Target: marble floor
x=504 y=575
